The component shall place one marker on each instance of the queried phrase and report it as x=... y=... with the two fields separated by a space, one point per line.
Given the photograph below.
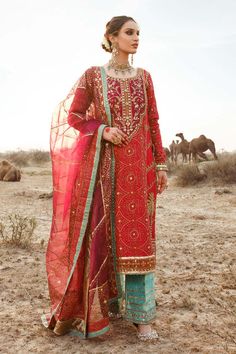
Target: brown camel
x=183 y=147
x=199 y=145
x=167 y=151
x=173 y=150
x=8 y=172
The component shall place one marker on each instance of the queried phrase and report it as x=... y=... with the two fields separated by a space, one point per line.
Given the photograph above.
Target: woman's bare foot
x=144 y=328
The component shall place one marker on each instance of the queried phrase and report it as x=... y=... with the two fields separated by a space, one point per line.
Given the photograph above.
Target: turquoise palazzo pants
x=138 y=298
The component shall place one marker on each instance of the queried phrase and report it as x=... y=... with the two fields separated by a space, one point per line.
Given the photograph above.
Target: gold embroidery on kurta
x=128 y=102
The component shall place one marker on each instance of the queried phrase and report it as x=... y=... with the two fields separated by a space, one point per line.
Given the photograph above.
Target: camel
x=167 y=152
x=183 y=147
x=8 y=172
x=199 y=145
x=173 y=150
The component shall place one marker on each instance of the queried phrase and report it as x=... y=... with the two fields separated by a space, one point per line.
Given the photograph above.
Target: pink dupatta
x=77 y=259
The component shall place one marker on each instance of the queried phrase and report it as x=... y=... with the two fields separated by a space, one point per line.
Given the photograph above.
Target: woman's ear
x=111 y=38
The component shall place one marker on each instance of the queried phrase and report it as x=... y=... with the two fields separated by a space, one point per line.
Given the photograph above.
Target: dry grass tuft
x=18 y=230
x=23 y=158
x=222 y=171
x=189 y=175
x=172 y=168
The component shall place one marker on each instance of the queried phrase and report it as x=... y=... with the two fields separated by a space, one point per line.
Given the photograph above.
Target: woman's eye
x=131 y=32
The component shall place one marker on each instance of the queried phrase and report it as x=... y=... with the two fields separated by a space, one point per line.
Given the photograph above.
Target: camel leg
x=18 y=175
x=204 y=156
x=214 y=153
x=189 y=157
x=10 y=176
x=176 y=159
x=194 y=157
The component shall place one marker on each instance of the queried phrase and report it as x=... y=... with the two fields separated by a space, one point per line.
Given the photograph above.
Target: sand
x=195 y=276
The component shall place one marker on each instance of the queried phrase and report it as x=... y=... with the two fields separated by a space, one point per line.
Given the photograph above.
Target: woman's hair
x=113 y=27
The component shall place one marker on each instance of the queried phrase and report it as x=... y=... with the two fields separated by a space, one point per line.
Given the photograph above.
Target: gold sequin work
x=127 y=102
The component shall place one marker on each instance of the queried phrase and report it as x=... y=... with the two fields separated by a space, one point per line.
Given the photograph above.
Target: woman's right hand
x=115 y=136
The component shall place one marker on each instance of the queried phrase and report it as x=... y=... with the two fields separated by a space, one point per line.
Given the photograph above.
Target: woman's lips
x=135 y=45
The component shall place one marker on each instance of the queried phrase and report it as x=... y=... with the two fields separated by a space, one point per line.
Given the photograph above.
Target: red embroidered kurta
x=133 y=110
x=103 y=197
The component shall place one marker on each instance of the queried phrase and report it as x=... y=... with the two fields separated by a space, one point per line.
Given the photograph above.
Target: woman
x=106 y=154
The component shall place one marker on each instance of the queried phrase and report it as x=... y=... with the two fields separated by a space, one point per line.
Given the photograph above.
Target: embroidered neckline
x=138 y=73
x=127 y=102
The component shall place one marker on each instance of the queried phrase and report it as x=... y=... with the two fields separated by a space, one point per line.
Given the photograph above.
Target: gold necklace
x=119 y=68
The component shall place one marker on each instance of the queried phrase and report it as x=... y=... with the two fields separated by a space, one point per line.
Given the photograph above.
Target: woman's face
x=128 y=37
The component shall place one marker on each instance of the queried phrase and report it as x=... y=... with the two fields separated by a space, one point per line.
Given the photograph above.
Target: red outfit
x=92 y=177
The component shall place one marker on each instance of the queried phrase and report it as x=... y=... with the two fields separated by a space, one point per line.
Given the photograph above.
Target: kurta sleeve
x=81 y=114
x=153 y=117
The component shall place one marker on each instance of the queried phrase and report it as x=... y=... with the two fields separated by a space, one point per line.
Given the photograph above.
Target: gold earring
x=132 y=59
x=115 y=51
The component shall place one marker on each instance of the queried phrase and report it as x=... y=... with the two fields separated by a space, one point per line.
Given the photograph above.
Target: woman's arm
x=79 y=118
x=84 y=121
x=153 y=117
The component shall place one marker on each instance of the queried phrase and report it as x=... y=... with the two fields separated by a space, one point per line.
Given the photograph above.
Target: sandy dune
x=195 y=286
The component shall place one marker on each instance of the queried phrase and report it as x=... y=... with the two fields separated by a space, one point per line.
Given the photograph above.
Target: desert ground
x=195 y=275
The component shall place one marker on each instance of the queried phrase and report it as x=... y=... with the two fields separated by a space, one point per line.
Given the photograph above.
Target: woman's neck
x=120 y=66
x=122 y=58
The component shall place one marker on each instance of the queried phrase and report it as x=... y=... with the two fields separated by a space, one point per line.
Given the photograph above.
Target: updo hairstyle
x=113 y=27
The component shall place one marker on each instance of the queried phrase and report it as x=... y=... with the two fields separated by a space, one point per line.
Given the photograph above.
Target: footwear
x=146 y=336
x=114 y=315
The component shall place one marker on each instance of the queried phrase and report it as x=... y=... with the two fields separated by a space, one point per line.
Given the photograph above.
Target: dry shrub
x=172 y=168
x=18 y=230
x=223 y=170
x=19 y=158
x=189 y=175
x=39 y=156
x=23 y=158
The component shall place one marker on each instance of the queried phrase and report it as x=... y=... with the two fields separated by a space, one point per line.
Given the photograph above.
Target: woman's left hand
x=162 y=181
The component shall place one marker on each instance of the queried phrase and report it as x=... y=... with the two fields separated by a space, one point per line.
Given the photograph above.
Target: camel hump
x=202 y=136
x=5 y=163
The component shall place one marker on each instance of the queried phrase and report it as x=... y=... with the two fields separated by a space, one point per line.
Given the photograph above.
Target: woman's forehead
x=130 y=25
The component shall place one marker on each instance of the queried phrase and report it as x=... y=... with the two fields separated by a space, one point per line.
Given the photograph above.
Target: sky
x=188 y=46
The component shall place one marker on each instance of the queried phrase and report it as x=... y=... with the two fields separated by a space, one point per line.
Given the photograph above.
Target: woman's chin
x=132 y=51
